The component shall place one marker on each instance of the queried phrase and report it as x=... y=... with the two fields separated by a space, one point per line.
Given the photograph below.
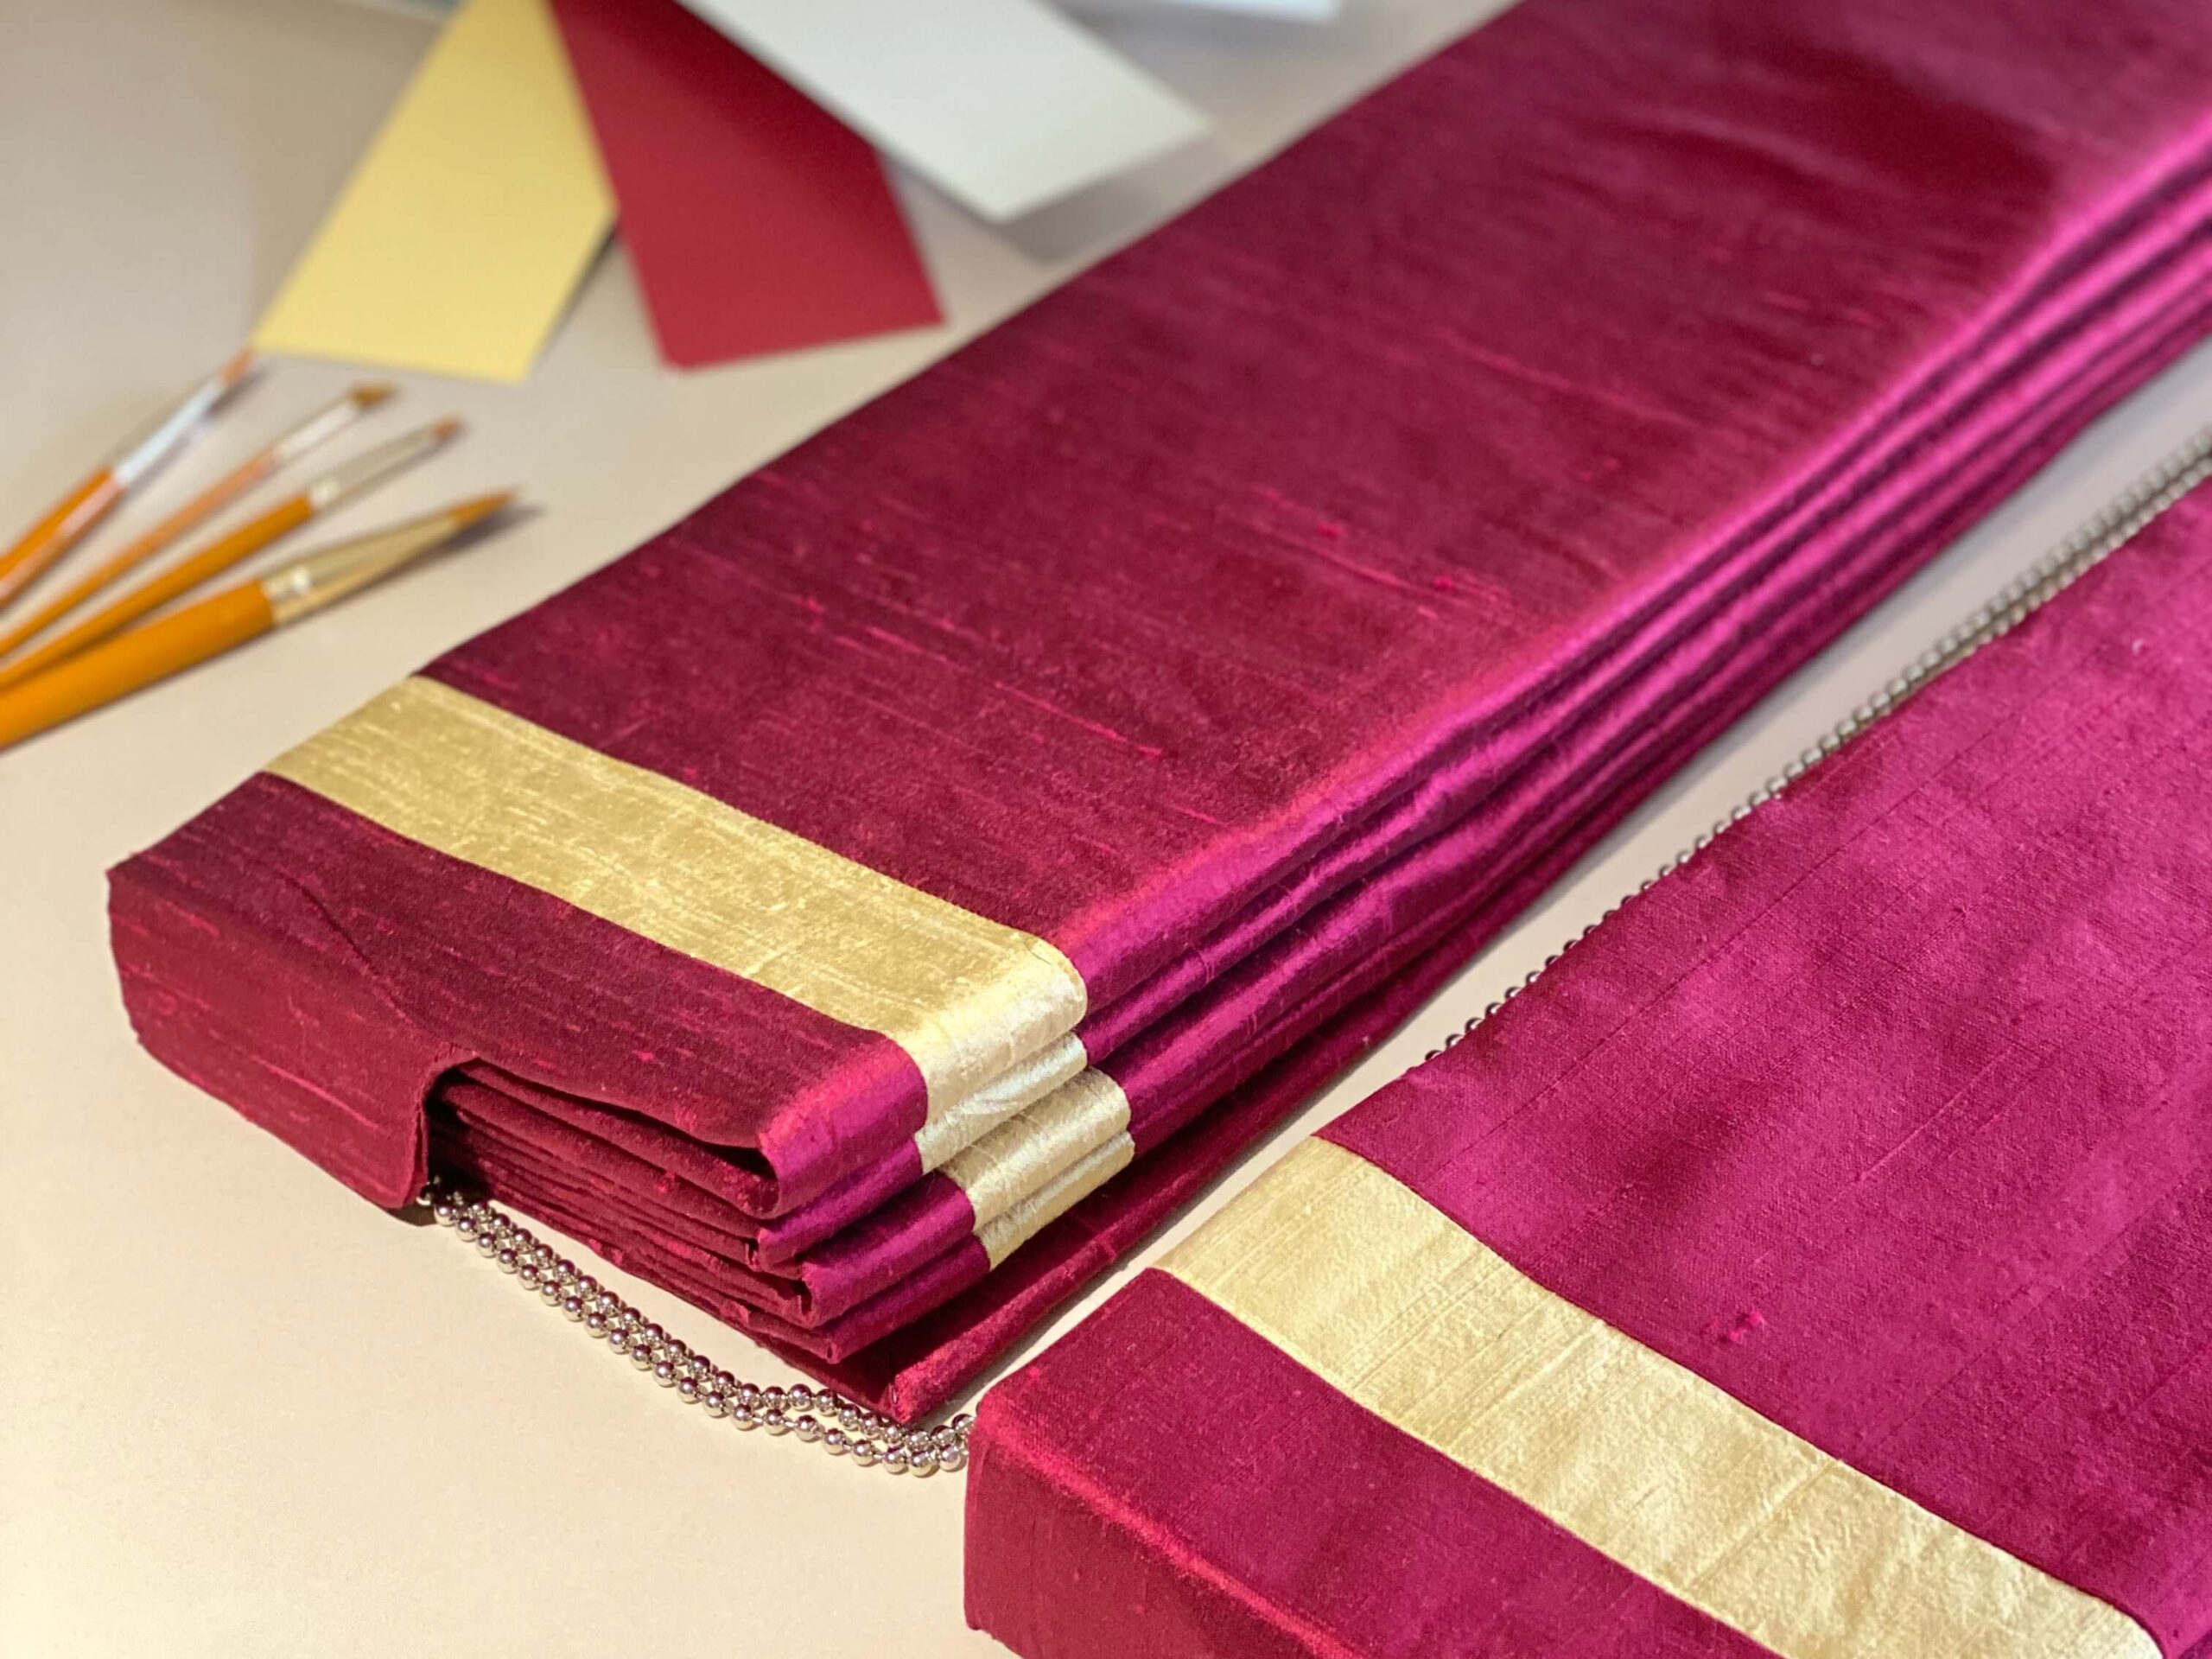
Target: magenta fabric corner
x=1259 y=620
x=1073 y=1455
x=1889 y=1114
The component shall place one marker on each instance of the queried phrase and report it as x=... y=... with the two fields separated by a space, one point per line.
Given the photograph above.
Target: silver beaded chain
x=2121 y=521
x=838 y=1425
x=843 y=1428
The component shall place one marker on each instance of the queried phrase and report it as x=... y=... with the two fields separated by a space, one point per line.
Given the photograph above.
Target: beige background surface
x=242 y=1412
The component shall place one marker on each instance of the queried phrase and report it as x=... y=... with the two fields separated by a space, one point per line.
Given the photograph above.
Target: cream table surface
x=242 y=1412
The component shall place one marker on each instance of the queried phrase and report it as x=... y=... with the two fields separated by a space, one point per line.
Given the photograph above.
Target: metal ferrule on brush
x=372 y=465
x=148 y=447
x=324 y=578
x=325 y=424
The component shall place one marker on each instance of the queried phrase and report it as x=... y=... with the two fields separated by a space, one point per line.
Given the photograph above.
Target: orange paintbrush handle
x=319 y=427
x=59 y=530
x=94 y=678
x=83 y=506
x=202 y=506
x=217 y=556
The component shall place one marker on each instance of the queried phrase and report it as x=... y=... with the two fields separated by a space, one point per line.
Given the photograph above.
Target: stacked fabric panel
x=872 y=905
x=1815 y=1260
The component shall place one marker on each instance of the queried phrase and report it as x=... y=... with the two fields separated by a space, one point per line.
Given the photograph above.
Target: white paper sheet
x=1004 y=104
x=1296 y=11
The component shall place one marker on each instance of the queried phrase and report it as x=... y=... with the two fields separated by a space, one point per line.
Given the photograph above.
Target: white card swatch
x=1004 y=104
x=1304 y=11
x=1296 y=11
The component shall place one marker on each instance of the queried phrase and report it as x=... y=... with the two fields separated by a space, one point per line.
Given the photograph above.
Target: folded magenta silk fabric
x=1816 y=1260
x=868 y=906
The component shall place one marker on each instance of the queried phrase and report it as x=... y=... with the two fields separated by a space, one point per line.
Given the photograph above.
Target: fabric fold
x=865 y=907
x=1813 y=1257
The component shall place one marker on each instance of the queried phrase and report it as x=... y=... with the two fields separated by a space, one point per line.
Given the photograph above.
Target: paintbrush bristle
x=483 y=506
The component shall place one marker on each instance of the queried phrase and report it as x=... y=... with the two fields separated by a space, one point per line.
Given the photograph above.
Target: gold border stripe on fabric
x=962 y=1123
x=1009 y=1232
x=966 y=997
x=1395 y=1305
x=1020 y=1156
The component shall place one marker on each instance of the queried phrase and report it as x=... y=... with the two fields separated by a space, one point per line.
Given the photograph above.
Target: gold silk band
x=968 y=998
x=1002 y=1237
x=1021 y=1156
x=1392 y=1303
x=958 y=1126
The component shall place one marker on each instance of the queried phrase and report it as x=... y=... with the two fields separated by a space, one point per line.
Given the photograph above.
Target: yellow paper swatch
x=457 y=243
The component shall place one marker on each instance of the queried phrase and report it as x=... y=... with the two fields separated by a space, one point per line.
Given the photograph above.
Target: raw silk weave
x=1817 y=1260
x=869 y=906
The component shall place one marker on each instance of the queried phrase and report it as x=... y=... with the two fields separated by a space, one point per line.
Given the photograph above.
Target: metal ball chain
x=836 y=1425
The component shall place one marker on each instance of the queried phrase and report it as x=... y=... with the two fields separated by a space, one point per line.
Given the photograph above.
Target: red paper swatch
x=757 y=222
